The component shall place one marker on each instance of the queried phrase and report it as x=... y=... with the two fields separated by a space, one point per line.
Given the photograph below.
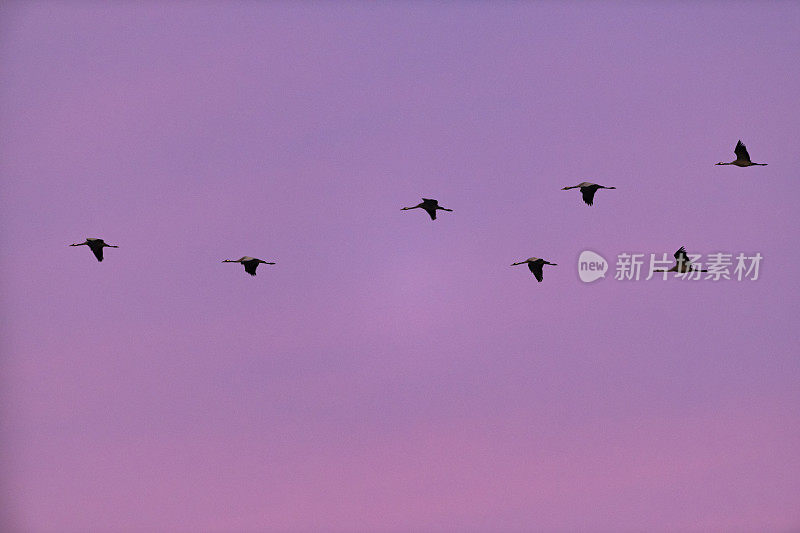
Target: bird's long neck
x=721 y=163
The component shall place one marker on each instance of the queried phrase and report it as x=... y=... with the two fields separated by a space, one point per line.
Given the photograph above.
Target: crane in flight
x=535 y=265
x=742 y=157
x=250 y=263
x=428 y=205
x=682 y=263
x=587 y=190
x=96 y=246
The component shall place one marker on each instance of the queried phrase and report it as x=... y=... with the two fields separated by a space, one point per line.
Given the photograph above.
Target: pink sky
x=391 y=373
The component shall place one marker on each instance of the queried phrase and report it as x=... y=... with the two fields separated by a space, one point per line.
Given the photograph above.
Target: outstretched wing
x=680 y=255
x=741 y=152
x=250 y=267
x=536 y=268
x=97 y=251
x=588 y=194
x=431 y=210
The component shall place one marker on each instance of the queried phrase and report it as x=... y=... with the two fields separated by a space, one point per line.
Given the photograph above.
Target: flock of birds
x=430 y=206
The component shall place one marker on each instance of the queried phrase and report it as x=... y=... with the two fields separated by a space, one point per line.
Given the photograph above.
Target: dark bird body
x=682 y=263
x=250 y=263
x=96 y=246
x=535 y=265
x=587 y=190
x=429 y=205
x=742 y=157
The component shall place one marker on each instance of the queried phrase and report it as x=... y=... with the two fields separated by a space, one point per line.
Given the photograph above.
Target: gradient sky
x=391 y=373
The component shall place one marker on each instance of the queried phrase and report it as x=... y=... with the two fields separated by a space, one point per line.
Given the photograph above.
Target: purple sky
x=391 y=373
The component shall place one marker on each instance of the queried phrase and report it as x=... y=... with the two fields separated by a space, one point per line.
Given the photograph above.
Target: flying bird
x=683 y=263
x=250 y=263
x=587 y=190
x=96 y=246
x=428 y=205
x=535 y=265
x=742 y=157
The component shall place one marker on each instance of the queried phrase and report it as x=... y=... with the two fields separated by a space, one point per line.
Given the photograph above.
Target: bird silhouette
x=96 y=246
x=742 y=157
x=535 y=265
x=682 y=263
x=250 y=263
x=587 y=190
x=428 y=205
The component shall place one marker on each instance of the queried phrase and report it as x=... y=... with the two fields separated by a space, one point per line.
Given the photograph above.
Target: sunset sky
x=393 y=373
